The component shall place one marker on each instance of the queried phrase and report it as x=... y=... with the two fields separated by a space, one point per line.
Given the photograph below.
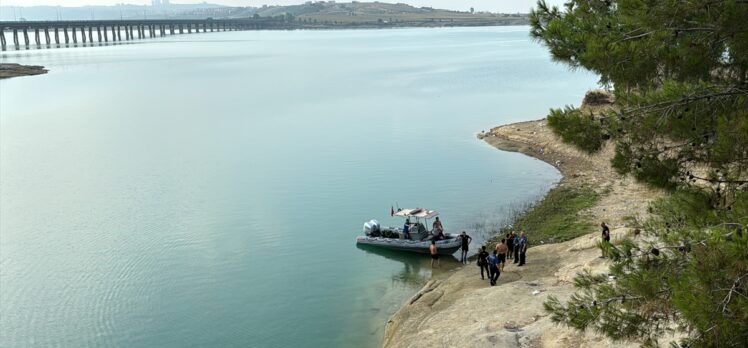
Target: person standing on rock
x=522 y=248
x=465 y=241
x=501 y=251
x=605 y=235
x=434 y=254
x=493 y=266
x=510 y=244
x=483 y=263
x=516 y=247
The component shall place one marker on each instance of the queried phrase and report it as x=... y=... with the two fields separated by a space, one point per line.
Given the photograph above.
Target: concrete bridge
x=47 y=33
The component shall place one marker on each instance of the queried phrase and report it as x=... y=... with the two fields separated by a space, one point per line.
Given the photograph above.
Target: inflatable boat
x=417 y=239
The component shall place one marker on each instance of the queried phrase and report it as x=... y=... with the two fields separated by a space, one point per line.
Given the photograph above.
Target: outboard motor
x=371 y=228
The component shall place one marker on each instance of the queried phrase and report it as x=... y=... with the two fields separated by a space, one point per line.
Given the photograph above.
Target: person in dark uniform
x=605 y=234
x=493 y=266
x=516 y=248
x=522 y=248
x=483 y=262
x=510 y=244
x=465 y=241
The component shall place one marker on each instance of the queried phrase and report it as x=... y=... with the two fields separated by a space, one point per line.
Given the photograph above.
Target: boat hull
x=443 y=247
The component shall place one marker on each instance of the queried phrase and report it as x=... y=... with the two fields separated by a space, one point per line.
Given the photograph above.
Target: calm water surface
x=206 y=190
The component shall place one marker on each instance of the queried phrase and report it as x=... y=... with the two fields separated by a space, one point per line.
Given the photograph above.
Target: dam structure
x=48 y=34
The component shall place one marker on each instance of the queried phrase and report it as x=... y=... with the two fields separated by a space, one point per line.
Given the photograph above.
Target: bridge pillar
x=26 y=37
x=83 y=34
x=15 y=38
x=57 y=36
x=2 y=39
x=181 y=29
x=67 y=38
x=37 y=38
x=46 y=36
x=98 y=32
x=119 y=33
x=127 y=33
x=75 y=35
x=106 y=36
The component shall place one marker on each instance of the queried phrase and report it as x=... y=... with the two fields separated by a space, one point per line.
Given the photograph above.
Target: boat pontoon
x=420 y=237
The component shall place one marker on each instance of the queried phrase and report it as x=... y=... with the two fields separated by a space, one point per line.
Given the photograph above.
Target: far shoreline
x=9 y=70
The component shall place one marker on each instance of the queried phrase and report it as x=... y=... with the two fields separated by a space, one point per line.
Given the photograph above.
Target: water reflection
x=416 y=269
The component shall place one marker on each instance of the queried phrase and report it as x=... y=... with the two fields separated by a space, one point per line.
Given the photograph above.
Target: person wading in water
x=434 y=255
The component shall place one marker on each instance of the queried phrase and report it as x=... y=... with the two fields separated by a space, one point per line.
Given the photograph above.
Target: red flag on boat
x=392 y=211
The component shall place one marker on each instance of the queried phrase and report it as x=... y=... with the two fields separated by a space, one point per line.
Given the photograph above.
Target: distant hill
x=309 y=15
x=356 y=13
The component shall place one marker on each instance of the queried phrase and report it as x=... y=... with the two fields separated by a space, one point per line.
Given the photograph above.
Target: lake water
x=206 y=190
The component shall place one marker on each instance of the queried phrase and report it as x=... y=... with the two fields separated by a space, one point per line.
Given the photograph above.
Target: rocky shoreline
x=461 y=310
x=8 y=70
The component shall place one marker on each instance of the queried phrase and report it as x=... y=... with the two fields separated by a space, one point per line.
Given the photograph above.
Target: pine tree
x=679 y=70
x=679 y=74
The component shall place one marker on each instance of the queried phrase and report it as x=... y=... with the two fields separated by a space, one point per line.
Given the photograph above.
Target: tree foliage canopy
x=679 y=73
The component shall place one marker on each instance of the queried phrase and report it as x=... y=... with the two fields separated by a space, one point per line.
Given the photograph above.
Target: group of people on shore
x=512 y=247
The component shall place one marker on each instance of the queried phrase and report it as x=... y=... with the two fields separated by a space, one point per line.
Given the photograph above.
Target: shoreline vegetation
x=460 y=309
x=8 y=70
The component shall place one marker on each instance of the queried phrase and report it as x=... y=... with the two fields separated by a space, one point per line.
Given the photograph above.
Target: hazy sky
x=480 y=5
